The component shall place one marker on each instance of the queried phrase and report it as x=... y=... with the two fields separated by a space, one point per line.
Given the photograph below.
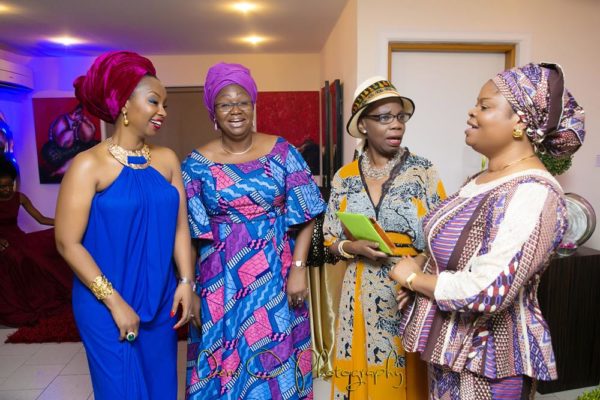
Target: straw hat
x=368 y=92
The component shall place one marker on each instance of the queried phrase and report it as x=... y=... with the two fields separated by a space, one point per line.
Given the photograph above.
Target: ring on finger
x=130 y=336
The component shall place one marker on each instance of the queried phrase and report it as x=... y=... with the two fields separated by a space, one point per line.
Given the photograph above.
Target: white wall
x=338 y=61
x=562 y=31
x=53 y=77
x=272 y=72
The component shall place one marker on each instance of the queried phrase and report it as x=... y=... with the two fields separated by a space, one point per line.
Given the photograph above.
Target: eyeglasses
x=227 y=107
x=386 y=119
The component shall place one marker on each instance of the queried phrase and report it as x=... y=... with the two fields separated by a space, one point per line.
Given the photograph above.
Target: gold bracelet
x=101 y=287
x=409 y=280
x=340 y=249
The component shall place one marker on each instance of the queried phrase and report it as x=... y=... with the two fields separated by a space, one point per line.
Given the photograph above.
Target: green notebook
x=362 y=227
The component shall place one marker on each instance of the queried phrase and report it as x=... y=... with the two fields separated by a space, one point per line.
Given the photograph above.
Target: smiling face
x=491 y=122
x=146 y=108
x=384 y=139
x=234 y=112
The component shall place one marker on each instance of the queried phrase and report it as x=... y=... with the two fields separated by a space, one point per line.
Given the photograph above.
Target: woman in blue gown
x=120 y=222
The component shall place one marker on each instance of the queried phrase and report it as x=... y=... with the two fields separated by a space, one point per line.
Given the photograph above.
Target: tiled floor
x=52 y=371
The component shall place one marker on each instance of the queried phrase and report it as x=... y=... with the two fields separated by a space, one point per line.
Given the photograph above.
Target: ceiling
x=165 y=26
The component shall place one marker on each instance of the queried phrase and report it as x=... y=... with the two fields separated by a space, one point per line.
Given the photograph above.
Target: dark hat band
x=376 y=88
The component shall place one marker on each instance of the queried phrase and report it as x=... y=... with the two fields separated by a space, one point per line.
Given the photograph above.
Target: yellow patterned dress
x=369 y=362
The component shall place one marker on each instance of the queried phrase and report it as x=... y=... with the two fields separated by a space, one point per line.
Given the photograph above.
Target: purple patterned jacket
x=490 y=243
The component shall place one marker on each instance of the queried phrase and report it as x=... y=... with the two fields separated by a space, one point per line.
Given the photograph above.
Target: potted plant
x=593 y=395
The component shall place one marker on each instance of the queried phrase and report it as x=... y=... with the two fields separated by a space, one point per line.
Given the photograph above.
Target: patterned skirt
x=448 y=385
x=369 y=362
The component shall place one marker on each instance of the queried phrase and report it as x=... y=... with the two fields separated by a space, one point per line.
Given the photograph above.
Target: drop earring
x=125 y=120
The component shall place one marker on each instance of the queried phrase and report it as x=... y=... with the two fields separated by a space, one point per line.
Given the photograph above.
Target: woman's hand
x=403 y=268
x=196 y=310
x=365 y=248
x=297 y=286
x=404 y=297
x=183 y=296
x=124 y=316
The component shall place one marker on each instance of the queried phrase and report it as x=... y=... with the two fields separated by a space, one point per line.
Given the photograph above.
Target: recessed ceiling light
x=5 y=9
x=65 y=40
x=244 y=7
x=254 y=39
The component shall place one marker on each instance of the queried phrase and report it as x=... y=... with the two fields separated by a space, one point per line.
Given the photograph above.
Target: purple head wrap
x=109 y=82
x=555 y=123
x=223 y=74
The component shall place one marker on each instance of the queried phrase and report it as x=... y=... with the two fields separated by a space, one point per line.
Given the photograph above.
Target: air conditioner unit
x=15 y=75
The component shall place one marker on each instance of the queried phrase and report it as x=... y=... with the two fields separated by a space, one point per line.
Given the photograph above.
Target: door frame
x=508 y=49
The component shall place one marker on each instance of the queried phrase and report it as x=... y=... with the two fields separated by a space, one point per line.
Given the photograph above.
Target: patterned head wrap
x=109 y=82
x=223 y=74
x=555 y=123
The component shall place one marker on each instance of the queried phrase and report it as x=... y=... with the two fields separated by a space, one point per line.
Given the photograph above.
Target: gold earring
x=517 y=133
x=125 y=120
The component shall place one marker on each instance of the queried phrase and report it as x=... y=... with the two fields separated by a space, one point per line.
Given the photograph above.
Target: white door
x=444 y=86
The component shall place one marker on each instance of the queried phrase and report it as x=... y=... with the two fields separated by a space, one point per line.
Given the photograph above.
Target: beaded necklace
x=377 y=173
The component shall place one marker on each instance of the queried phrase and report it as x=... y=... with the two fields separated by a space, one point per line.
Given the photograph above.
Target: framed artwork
x=62 y=129
x=6 y=140
x=332 y=129
x=337 y=124
x=325 y=135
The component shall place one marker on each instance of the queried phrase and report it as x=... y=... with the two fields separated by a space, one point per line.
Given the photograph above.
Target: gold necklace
x=135 y=159
x=235 y=153
x=510 y=163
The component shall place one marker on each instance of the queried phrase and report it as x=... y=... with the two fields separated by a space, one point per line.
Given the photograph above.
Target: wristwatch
x=299 y=264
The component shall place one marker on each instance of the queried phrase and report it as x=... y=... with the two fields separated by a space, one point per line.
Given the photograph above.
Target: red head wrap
x=109 y=82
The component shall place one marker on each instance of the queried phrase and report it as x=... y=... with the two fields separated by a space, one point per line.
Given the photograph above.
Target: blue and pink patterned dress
x=252 y=344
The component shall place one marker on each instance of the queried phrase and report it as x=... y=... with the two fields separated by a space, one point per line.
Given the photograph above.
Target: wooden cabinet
x=569 y=296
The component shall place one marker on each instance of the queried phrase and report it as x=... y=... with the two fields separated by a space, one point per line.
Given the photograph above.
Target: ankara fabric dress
x=369 y=362
x=252 y=345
